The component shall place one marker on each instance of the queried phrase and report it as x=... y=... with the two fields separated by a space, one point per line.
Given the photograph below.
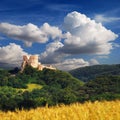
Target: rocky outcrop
x=33 y=62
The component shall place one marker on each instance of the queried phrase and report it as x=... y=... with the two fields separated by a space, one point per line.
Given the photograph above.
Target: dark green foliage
x=9 y=98
x=101 y=88
x=14 y=71
x=58 y=87
x=104 y=84
x=3 y=77
x=91 y=72
x=16 y=82
x=57 y=77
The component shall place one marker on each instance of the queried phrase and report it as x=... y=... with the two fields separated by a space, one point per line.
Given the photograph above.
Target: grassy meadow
x=106 y=110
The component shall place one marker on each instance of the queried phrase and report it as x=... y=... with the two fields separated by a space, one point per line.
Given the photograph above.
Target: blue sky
x=66 y=34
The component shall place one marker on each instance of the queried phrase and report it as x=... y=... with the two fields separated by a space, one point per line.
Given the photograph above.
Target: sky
x=67 y=34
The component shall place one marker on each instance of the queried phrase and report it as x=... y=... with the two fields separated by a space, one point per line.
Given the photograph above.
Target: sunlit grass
x=31 y=87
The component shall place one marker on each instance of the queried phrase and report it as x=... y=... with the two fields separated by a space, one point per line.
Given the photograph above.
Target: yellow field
x=87 y=111
x=32 y=86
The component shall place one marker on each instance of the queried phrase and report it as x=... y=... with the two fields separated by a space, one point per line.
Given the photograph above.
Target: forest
x=54 y=87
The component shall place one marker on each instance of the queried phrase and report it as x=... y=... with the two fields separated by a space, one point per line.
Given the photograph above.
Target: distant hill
x=90 y=72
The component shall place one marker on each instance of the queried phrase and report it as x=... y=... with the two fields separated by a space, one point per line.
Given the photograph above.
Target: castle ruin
x=33 y=62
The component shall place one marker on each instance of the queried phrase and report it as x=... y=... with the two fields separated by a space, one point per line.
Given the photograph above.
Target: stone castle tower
x=33 y=61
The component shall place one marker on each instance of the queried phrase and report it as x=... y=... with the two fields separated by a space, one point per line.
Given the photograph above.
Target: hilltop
x=91 y=72
x=48 y=87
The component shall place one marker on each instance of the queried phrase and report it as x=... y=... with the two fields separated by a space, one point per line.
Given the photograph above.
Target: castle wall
x=33 y=61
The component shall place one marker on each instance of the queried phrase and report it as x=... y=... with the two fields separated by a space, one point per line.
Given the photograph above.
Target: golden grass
x=32 y=86
x=87 y=111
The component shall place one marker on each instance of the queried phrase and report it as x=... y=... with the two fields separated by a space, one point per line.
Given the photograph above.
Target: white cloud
x=73 y=63
x=105 y=19
x=85 y=36
x=30 y=33
x=53 y=32
x=81 y=36
x=12 y=54
x=93 y=62
x=70 y=64
x=51 y=55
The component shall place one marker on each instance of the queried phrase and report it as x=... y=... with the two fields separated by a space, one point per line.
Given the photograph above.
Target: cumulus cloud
x=85 y=36
x=30 y=33
x=50 y=55
x=93 y=62
x=11 y=54
x=81 y=35
x=72 y=63
x=51 y=31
